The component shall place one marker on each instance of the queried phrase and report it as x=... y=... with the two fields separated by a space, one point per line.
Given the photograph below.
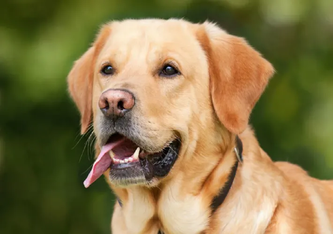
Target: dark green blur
x=44 y=160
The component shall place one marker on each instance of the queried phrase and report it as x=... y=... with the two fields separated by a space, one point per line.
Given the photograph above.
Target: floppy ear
x=238 y=76
x=80 y=82
x=80 y=78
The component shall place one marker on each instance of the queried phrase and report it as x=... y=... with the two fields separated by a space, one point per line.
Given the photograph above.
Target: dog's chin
x=133 y=166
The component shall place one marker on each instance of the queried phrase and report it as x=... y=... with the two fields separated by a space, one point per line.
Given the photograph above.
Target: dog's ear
x=238 y=75
x=80 y=78
x=80 y=83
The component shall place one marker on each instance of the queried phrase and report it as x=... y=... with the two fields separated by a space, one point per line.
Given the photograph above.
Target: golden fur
x=221 y=79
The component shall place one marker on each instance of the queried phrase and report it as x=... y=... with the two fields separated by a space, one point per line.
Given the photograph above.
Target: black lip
x=154 y=165
x=162 y=163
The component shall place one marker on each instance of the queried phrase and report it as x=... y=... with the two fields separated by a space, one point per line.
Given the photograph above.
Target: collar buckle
x=239 y=150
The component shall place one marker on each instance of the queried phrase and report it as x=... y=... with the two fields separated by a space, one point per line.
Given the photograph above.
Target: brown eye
x=107 y=70
x=169 y=71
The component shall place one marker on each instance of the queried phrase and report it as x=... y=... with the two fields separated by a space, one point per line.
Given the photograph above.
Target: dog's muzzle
x=123 y=148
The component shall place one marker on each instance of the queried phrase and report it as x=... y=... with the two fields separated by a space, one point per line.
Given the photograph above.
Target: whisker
x=87 y=169
x=90 y=128
x=92 y=139
x=78 y=135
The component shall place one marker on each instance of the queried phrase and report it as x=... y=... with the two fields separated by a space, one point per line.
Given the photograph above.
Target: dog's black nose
x=116 y=102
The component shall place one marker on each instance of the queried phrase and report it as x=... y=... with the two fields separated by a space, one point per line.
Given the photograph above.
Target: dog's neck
x=205 y=158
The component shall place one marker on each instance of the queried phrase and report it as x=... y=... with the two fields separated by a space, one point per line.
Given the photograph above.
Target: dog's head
x=159 y=90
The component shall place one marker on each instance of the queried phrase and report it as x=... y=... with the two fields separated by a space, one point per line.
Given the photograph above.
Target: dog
x=169 y=102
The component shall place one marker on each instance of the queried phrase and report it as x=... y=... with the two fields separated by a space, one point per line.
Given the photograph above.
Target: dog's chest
x=171 y=213
x=182 y=215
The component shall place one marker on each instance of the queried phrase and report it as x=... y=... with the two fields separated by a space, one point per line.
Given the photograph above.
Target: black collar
x=220 y=197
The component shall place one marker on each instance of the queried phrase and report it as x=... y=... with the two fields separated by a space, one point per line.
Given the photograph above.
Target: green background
x=44 y=160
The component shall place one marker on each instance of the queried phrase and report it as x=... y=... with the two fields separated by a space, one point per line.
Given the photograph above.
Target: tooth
x=136 y=153
x=111 y=154
x=130 y=159
x=126 y=160
x=121 y=161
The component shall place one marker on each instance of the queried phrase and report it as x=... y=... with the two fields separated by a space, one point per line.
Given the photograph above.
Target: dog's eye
x=107 y=70
x=169 y=71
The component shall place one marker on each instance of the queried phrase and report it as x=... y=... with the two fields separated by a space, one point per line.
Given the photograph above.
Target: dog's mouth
x=129 y=164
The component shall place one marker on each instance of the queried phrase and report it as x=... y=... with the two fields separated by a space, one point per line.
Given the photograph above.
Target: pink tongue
x=102 y=163
x=122 y=147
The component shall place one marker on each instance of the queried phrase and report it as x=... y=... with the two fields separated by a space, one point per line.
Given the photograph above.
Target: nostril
x=106 y=104
x=120 y=105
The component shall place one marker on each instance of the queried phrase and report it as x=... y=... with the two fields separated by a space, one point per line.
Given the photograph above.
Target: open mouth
x=129 y=164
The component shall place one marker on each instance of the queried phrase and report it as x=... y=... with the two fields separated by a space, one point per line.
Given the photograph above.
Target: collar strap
x=220 y=197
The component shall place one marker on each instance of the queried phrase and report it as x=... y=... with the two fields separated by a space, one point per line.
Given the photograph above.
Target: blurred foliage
x=42 y=161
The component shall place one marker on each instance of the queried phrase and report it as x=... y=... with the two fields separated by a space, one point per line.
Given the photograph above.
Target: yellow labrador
x=170 y=101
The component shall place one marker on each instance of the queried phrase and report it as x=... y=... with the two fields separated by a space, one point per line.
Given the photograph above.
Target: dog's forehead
x=151 y=30
x=141 y=37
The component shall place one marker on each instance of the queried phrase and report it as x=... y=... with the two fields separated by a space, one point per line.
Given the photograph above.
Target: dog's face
x=158 y=90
